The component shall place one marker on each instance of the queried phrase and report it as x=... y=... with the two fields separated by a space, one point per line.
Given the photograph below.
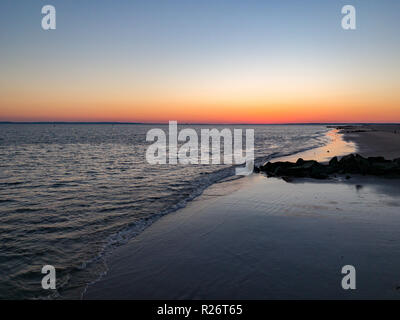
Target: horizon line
x=195 y=123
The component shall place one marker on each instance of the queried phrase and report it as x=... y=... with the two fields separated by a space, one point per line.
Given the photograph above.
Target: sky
x=208 y=61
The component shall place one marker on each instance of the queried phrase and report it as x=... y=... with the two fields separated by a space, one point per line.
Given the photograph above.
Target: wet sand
x=375 y=140
x=263 y=238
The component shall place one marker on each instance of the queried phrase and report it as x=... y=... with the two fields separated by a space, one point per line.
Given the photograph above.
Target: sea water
x=70 y=193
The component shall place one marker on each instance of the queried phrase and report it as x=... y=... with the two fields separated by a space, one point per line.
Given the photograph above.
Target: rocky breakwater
x=350 y=164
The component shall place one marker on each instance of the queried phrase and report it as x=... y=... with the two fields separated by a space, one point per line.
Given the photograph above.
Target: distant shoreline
x=190 y=123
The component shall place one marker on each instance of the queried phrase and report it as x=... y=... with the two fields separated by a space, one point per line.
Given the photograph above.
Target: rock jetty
x=350 y=164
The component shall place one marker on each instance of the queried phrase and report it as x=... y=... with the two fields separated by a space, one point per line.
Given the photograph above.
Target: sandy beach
x=375 y=140
x=264 y=238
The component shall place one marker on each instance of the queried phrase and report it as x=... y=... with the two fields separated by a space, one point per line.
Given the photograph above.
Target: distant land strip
x=190 y=123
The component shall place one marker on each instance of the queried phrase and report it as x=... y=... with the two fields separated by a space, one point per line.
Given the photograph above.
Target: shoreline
x=335 y=144
x=374 y=140
x=209 y=223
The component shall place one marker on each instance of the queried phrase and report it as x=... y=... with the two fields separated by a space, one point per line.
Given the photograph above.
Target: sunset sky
x=231 y=61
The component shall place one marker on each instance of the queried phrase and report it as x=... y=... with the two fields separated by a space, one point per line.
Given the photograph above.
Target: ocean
x=71 y=193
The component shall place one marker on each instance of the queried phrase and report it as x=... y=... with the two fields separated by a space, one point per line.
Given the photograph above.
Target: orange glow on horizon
x=290 y=105
x=210 y=113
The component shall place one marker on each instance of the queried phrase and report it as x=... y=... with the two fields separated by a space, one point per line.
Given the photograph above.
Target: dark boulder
x=334 y=162
x=377 y=159
x=272 y=166
x=354 y=163
x=383 y=168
